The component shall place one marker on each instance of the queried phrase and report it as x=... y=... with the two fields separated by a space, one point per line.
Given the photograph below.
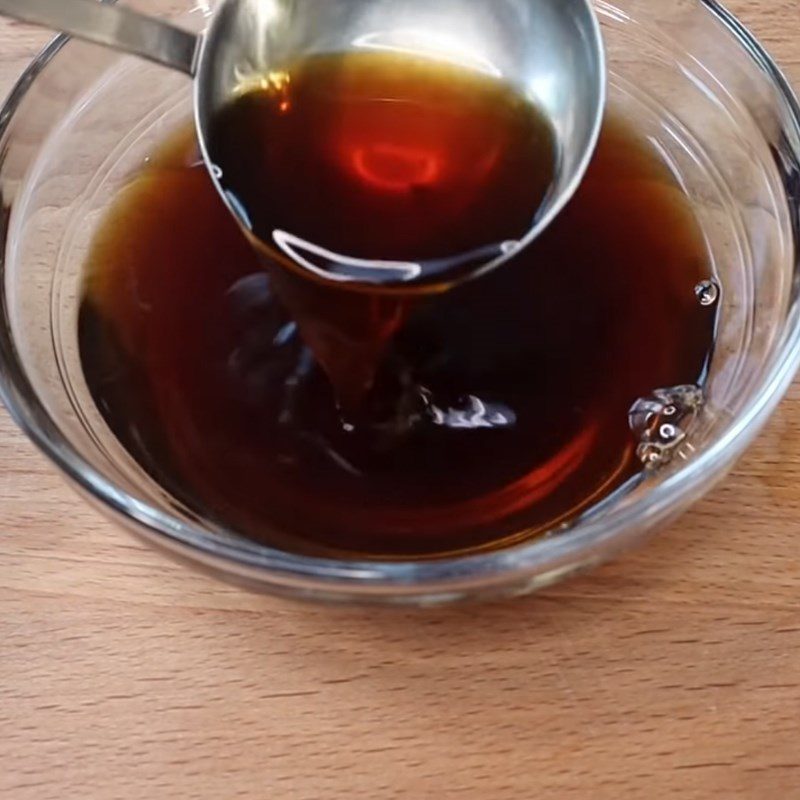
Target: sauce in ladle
x=377 y=168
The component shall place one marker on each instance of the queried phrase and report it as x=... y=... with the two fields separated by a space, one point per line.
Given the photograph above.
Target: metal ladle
x=550 y=49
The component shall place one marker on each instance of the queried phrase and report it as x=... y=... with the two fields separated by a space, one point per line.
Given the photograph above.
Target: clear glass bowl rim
x=526 y=565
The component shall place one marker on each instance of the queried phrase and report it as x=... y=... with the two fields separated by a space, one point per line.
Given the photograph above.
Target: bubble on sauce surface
x=708 y=293
x=661 y=422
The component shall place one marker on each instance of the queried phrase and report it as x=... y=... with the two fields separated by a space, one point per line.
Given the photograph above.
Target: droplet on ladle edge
x=661 y=422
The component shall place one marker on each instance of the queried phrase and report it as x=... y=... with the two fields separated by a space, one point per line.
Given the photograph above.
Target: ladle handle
x=112 y=26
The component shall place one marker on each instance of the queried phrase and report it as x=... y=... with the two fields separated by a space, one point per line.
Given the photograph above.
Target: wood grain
x=674 y=673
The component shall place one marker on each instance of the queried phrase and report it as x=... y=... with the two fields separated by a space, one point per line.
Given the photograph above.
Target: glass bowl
x=689 y=76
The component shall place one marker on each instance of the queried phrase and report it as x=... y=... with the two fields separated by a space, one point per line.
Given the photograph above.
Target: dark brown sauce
x=486 y=414
x=341 y=161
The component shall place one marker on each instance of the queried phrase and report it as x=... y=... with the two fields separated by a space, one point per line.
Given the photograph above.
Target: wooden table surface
x=673 y=673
